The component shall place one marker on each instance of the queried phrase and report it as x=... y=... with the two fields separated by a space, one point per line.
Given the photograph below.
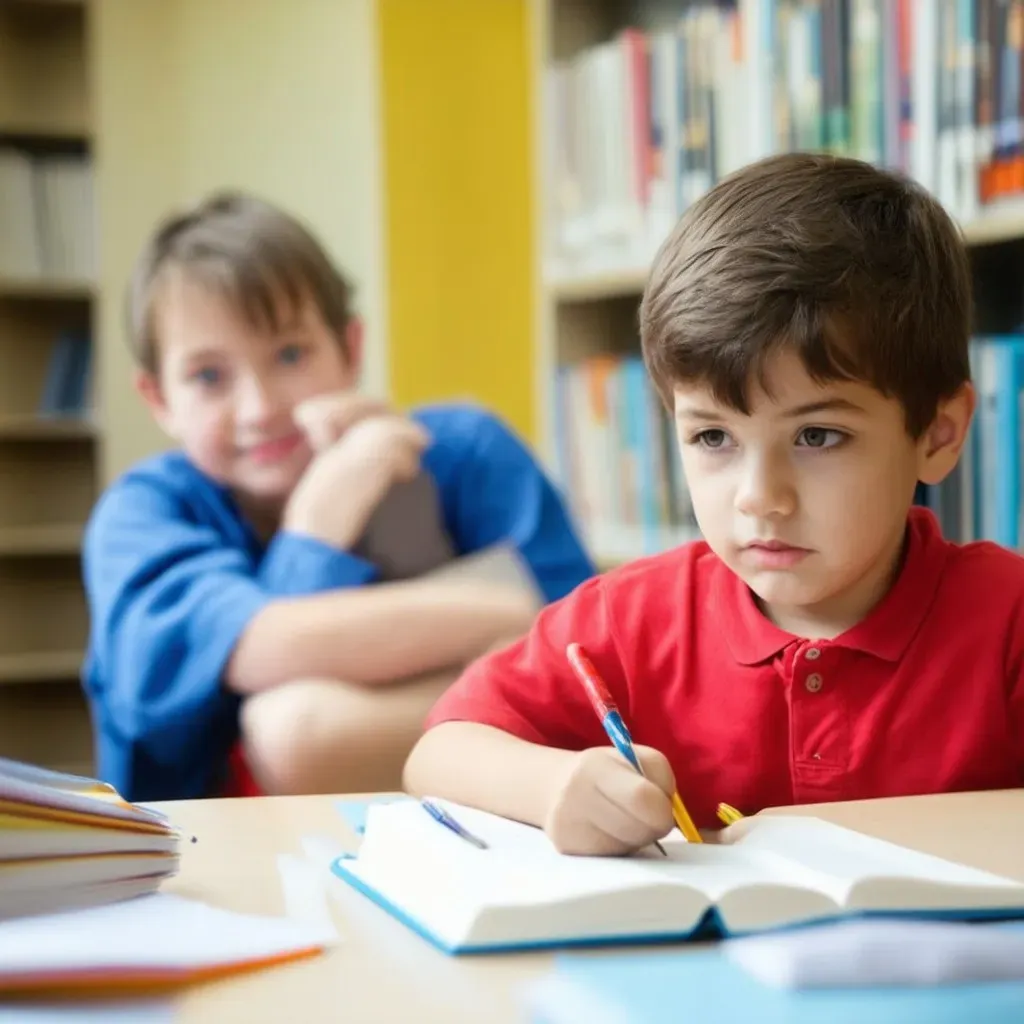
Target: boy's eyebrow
x=201 y=354
x=822 y=405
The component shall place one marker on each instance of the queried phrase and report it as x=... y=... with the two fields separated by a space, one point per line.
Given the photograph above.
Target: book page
x=454 y=888
x=851 y=865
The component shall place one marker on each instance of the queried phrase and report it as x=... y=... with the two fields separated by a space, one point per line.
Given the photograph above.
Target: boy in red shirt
x=808 y=324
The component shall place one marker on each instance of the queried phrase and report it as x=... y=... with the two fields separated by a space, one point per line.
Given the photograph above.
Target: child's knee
x=279 y=730
x=324 y=735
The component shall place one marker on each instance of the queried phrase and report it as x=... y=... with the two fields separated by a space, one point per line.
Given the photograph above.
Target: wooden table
x=382 y=972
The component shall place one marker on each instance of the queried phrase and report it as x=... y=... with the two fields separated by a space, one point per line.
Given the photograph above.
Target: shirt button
x=812 y=653
x=813 y=683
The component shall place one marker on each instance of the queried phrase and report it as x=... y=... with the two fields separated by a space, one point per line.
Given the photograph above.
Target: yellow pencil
x=728 y=814
x=684 y=822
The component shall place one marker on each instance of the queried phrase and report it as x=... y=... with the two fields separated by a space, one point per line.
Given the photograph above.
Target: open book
x=764 y=872
x=71 y=842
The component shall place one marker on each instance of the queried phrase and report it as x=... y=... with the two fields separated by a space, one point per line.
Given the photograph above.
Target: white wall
x=276 y=96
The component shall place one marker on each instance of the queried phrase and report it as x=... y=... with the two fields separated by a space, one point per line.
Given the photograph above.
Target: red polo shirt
x=925 y=695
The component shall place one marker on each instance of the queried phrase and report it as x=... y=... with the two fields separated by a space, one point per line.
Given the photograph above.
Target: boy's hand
x=603 y=806
x=326 y=418
x=374 y=449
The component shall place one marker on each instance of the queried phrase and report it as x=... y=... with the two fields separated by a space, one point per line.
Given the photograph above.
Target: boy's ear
x=354 y=334
x=940 y=445
x=148 y=387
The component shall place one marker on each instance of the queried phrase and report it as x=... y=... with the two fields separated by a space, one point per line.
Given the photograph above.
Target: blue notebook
x=766 y=873
x=705 y=986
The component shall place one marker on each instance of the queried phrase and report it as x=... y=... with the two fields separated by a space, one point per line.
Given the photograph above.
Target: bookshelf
x=642 y=105
x=48 y=438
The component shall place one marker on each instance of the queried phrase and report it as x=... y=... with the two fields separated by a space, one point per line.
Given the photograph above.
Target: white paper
x=161 y=931
x=305 y=893
x=874 y=953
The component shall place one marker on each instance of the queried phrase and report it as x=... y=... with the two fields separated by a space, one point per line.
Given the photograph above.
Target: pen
x=613 y=724
x=439 y=814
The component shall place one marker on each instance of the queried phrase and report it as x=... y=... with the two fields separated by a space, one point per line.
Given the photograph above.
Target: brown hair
x=858 y=269
x=262 y=259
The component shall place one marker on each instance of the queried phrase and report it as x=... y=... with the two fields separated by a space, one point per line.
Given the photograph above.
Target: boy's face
x=806 y=498
x=227 y=393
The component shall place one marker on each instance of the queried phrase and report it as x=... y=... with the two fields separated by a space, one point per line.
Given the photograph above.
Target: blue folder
x=705 y=986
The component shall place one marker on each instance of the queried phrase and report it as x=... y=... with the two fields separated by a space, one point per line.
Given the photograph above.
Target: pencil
x=615 y=727
x=728 y=814
x=683 y=820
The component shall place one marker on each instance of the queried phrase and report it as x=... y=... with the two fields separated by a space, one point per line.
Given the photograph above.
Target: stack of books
x=68 y=842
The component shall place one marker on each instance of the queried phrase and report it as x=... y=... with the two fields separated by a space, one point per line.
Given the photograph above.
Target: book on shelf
x=640 y=125
x=67 y=387
x=762 y=873
x=47 y=209
x=617 y=458
x=982 y=498
x=68 y=842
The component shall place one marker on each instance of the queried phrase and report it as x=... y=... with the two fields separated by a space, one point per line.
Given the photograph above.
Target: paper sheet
x=161 y=934
x=875 y=953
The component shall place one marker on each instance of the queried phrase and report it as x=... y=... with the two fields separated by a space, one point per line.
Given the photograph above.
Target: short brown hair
x=859 y=270
x=264 y=260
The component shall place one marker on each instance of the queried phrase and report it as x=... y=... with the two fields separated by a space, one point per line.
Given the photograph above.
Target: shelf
x=45 y=85
x=586 y=286
x=26 y=541
x=28 y=427
x=42 y=666
x=46 y=3
x=1000 y=224
x=46 y=722
x=46 y=290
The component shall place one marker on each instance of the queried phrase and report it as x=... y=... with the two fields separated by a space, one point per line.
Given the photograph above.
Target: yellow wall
x=458 y=202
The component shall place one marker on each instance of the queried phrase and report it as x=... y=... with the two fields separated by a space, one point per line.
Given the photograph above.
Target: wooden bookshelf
x=588 y=296
x=48 y=458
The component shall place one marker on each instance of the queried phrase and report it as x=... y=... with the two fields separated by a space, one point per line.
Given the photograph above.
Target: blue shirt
x=173 y=575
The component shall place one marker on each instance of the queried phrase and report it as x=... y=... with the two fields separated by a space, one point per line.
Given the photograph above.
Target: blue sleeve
x=495 y=491
x=169 y=596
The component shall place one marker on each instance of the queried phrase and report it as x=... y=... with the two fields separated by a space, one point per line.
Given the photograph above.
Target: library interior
x=470 y=198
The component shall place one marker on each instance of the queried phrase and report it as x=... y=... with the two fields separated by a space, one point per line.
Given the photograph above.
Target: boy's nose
x=257 y=402
x=765 y=490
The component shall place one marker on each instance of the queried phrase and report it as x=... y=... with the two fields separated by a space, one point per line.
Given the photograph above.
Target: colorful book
x=69 y=842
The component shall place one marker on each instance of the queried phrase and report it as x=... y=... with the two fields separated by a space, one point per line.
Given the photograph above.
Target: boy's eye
x=712 y=439
x=820 y=437
x=290 y=354
x=209 y=376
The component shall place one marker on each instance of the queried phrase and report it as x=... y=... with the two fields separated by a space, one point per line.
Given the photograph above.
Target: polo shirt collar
x=885 y=633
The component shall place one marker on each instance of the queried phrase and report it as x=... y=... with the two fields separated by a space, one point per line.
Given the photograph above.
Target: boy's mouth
x=275 y=449
x=775 y=554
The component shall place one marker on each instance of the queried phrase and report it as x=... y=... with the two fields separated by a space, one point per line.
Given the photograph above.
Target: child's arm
x=377 y=634
x=589 y=802
x=171 y=589
x=537 y=750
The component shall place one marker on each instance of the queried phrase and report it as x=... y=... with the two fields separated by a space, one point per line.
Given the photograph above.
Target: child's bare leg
x=327 y=736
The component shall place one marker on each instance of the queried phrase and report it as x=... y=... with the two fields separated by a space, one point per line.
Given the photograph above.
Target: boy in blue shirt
x=232 y=622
